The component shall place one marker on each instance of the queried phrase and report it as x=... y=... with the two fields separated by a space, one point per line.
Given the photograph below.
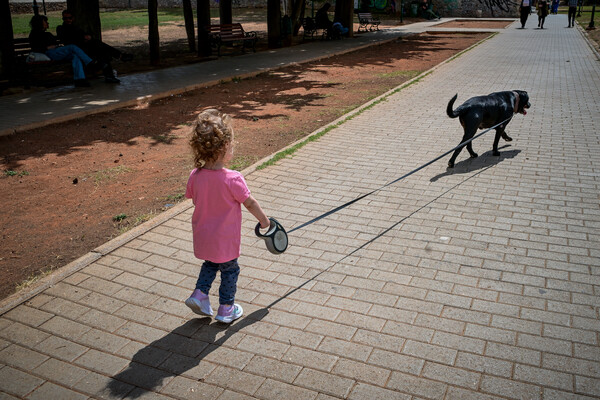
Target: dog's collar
x=516 y=102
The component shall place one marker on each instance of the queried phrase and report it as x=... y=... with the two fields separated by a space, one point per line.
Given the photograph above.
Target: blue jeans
x=230 y=271
x=71 y=52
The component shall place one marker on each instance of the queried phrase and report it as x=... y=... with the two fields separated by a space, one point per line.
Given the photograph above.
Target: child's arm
x=252 y=205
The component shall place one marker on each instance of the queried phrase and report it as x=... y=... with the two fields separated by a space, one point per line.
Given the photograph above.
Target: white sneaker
x=228 y=314
x=199 y=303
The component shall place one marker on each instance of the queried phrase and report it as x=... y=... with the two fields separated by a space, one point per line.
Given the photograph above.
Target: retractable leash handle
x=275 y=238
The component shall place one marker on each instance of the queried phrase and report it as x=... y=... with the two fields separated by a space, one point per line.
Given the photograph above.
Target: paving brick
x=553 y=394
x=458 y=342
x=51 y=391
x=491 y=334
x=408 y=331
x=102 y=362
x=451 y=375
x=487 y=365
x=23 y=334
x=366 y=391
x=61 y=348
x=28 y=315
x=417 y=386
x=60 y=372
x=430 y=352
x=273 y=389
x=346 y=349
x=17 y=382
x=324 y=382
x=65 y=308
x=455 y=393
x=222 y=355
x=182 y=387
x=331 y=329
x=544 y=344
x=262 y=346
x=509 y=388
x=466 y=315
x=543 y=377
x=105 y=387
x=21 y=357
x=235 y=380
x=516 y=324
x=587 y=386
x=296 y=337
x=270 y=368
x=310 y=358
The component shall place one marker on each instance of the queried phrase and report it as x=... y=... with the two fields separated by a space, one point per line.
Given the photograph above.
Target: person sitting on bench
x=69 y=33
x=334 y=29
x=45 y=42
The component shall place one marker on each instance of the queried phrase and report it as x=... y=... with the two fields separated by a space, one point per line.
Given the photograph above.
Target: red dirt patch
x=70 y=182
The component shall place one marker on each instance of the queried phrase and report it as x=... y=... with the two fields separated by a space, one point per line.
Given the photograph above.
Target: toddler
x=217 y=194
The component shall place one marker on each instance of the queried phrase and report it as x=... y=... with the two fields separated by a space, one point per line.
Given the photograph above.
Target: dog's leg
x=499 y=133
x=506 y=137
x=469 y=132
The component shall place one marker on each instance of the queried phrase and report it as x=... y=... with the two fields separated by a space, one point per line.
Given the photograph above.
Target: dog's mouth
x=525 y=107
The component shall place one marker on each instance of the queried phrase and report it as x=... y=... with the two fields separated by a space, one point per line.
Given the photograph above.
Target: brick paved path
x=486 y=287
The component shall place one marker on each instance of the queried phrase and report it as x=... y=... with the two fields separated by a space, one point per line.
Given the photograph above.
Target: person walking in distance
x=572 y=12
x=525 y=10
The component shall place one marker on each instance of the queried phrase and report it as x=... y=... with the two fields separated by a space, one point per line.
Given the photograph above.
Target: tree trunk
x=298 y=7
x=153 y=38
x=7 y=50
x=225 y=13
x=188 y=16
x=344 y=13
x=274 y=23
x=87 y=16
x=203 y=11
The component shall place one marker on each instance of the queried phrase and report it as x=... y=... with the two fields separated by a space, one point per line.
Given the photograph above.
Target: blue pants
x=229 y=276
x=71 y=52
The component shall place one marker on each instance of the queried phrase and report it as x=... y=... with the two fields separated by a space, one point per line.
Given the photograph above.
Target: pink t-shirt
x=217 y=220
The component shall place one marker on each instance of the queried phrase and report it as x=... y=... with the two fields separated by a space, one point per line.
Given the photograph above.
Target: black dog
x=484 y=112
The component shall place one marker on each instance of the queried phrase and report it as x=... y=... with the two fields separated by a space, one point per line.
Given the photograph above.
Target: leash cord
x=328 y=213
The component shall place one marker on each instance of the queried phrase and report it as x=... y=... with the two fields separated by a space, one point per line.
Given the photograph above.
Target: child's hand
x=266 y=225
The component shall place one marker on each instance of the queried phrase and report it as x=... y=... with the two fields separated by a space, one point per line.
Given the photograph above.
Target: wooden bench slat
x=366 y=19
x=230 y=34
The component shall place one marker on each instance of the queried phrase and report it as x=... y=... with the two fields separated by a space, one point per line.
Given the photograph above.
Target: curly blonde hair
x=211 y=133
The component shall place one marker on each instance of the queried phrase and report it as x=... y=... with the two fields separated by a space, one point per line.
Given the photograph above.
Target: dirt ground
x=70 y=187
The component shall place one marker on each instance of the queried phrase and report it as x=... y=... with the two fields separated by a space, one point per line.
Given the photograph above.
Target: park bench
x=312 y=29
x=231 y=35
x=26 y=65
x=368 y=22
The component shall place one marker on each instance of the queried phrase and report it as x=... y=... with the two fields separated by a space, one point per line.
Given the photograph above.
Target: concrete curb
x=63 y=272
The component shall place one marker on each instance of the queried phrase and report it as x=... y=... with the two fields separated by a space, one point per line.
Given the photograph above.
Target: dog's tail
x=451 y=113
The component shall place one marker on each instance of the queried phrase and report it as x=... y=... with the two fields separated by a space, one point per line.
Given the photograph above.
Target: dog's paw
x=474 y=155
x=506 y=137
x=496 y=153
x=450 y=164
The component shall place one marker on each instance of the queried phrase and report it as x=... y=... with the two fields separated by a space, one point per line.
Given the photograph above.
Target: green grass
x=241 y=162
x=112 y=19
x=400 y=73
x=109 y=174
x=10 y=172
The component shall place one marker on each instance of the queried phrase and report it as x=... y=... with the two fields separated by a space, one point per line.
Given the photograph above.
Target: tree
x=87 y=15
x=7 y=51
x=274 y=23
x=344 y=13
x=188 y=17
x=298 y=8
x=203 y=11
x=153 y=38
x=225 y=13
